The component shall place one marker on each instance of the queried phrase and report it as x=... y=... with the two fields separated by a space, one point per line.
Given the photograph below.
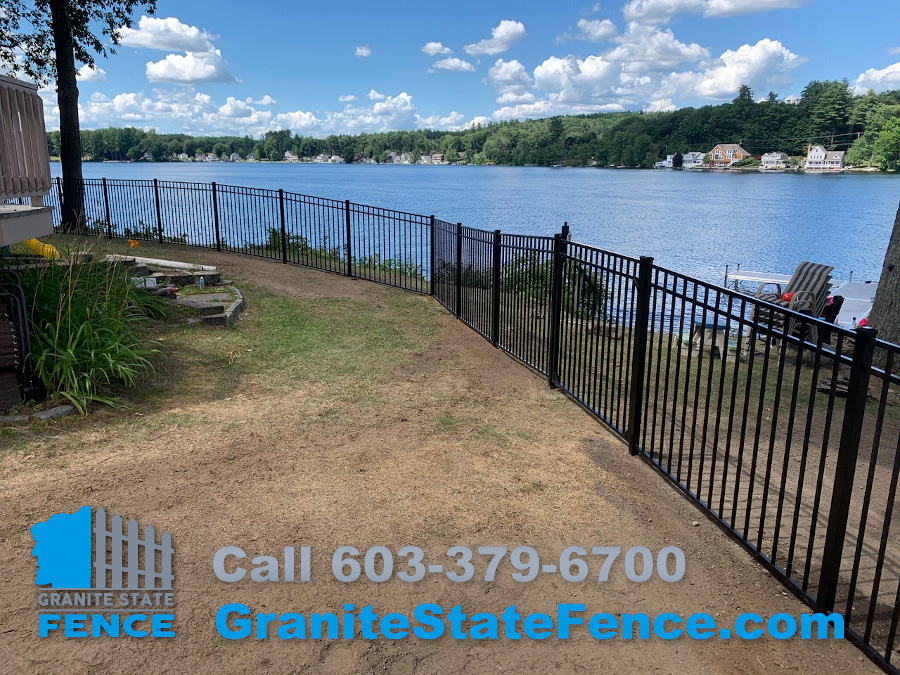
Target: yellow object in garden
x=41 y=248
x=132 y=243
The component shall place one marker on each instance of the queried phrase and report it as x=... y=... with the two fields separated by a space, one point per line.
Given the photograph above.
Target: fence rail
x=784 y=429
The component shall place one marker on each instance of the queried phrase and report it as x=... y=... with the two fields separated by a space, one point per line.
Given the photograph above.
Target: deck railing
x=784 y=429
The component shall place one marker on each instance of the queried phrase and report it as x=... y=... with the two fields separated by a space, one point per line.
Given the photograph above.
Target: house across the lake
x=820 y=159
x=774 y=160
x=692 y=160
x=725 y=154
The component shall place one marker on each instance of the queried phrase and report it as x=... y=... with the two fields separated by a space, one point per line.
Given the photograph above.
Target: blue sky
x=234 y=67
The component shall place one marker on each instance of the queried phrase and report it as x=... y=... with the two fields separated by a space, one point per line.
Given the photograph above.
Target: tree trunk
x=72 y=199
x=885 y=314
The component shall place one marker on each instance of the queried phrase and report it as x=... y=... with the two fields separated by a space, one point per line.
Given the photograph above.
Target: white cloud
x=392 y=112
x=512 y=81
x=640 y=72
x=435 y=48
x=346 y=98
x=573 y=80
x=91 y=74
x=661 y=105
x=660 y=11
x=450 y=122
x=761 y=66
x=376 y=96
x=201 y=62
x=234 y=108
x=511 y=98
x=893 y=51
x=364 y=51
x=503 y=36
x=189 y=111
x=591 y=30
x=648 y=49
x=879 y=80
x=545 y=108
x=192 y=68
x=723 y=8
x=265 y=100
x=168 y=35
x=453 y=63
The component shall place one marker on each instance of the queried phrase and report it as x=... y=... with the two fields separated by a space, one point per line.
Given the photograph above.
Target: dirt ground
x=442 y=441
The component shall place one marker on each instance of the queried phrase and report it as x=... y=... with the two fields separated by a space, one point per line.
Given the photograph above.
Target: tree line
x=827 y=113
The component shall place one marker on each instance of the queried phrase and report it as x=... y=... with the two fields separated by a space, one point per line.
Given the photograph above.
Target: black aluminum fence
x=784 y=429
x=382 y=245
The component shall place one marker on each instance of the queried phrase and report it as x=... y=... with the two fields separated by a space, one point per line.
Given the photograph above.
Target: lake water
x=691 y=222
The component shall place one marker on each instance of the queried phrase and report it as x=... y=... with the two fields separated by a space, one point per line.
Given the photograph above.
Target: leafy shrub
x=87 y=326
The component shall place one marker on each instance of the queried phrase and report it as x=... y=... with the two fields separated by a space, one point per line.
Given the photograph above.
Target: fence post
x=159 y=227
x=216 y=217
x=495 y=288
x=639 y=353
x=106 y=203
x=845 y=469
x=433 y=256
x=283 y=227
x=458 y=270
x=560 y=248
x=349 y=247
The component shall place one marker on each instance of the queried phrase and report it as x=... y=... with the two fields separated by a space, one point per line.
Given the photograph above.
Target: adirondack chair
x=806 y=293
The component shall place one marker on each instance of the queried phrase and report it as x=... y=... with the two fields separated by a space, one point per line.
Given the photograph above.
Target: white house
x=336 y=159
x=820 y=159
x=774 y=160
x=235 y=157
x=290 y=156
x=184 y=157
x=251 y=157
x=692 y=160
x=212 y=157
x=438 y=158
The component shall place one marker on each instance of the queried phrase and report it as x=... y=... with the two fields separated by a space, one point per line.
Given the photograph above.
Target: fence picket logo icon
x=103 y=579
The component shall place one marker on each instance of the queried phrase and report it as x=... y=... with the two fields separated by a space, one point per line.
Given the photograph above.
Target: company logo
x=104 y=580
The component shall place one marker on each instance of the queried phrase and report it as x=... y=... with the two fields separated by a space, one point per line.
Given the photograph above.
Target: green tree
x=887 y=146
x=829 y=107
x=50 y=36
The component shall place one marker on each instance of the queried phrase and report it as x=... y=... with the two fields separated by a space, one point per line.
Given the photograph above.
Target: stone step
x=229 y=315
x=200 y=307
x=184 y=278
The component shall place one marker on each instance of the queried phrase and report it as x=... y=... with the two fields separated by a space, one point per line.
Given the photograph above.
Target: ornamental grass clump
x=88 y=326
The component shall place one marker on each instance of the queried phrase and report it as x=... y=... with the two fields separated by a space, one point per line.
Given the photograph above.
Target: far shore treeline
x=827 y=113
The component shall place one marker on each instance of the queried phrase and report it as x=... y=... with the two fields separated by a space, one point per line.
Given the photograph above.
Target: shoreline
x=748 y=170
